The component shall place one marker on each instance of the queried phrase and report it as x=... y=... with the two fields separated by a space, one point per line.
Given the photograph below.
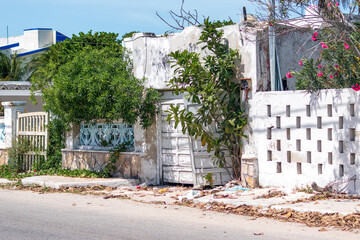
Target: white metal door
x=174 y=146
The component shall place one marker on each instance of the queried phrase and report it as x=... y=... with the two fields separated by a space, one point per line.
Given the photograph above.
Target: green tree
x=337 y=43
x=90 y=77
x=212 y=83
x=10 y=68
x=337 y=67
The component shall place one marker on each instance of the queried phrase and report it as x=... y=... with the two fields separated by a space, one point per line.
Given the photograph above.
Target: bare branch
x=176 y=28
x=182 y=18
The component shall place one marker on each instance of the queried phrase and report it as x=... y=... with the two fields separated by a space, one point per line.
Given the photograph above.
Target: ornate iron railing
x=106 y=134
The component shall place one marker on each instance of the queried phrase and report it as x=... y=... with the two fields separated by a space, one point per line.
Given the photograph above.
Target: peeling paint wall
x=150 y=53
x=150 y=59
x=127 y=166
x=142 y=160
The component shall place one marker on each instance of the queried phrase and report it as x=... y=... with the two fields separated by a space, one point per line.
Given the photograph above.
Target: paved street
x=30 y=215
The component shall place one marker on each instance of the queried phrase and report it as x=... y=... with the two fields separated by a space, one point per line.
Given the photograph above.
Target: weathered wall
x=292 y=47
x=128 y=165
x=150 y=52
x=150 y=60
x=78 y=156
x=303 y=138
x=250 y=172
x=4 y=157
x=145 y=143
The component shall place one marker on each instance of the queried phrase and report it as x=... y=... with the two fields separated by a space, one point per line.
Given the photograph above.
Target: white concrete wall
x=333 y=146
x=37 y=38
x=150 y=52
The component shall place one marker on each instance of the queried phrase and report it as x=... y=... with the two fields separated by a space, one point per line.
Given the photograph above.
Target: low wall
x=250 y=172
x=4 y=157
x=127 y=166
x=304 y=138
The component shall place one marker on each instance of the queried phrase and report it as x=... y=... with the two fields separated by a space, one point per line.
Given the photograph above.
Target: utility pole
x=272 y=44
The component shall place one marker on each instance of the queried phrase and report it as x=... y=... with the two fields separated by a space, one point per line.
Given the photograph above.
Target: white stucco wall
x=318 y=157
x=150 y=52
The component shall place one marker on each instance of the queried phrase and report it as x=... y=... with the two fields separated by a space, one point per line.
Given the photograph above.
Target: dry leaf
x=163 y=190
x=258 y=234
x=322 y=230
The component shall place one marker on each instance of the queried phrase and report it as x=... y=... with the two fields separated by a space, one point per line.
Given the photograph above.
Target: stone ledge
x=59 y=181
x=99 y=151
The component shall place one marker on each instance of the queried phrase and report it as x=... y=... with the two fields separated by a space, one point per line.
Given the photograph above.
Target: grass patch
x=11 y=173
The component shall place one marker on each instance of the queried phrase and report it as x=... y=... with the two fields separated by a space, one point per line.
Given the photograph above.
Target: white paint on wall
x=304 y=138
x=150 y=53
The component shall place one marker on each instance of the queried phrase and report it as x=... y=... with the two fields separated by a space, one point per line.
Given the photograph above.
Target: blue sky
x=119 y=16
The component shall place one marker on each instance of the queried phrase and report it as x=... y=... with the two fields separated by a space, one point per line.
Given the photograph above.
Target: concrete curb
x=6 y=181
x=58 y=182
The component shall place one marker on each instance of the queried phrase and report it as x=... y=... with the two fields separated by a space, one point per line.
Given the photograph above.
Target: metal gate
x=174 y=150
x=183 y=159
x=31 y=130
x=202 y=160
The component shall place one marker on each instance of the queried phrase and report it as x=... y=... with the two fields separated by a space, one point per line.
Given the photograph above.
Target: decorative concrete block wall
x=304 y=138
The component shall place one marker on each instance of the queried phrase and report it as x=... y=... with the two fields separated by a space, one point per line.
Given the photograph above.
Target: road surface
x=30 y=215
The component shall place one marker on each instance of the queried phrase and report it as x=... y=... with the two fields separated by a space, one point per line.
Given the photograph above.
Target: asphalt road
x=29 y=215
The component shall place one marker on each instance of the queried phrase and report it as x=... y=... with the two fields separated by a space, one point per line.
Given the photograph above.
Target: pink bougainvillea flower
x=289 y=75
x=356 y=87
x=301 y=63
x=336 y=66
x=314 y=38
x=319 y=66
x=337 y=4
x=329 y=4
x=346 y=46
x=316 y=34
x=320 y=74
x=323 y=45
x=331 y=76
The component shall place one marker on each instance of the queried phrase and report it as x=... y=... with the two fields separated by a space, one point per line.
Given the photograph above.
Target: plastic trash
x=237 y=188
x=190 y=195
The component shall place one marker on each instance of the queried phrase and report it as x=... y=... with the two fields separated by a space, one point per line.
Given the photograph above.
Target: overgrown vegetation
x=10 y=68
x=16 y=153
x=86 y=78
x=56 y=143
x=90 y=77
x=337 y=67
x=11 y=173
x=212 y=83
x=114 y=157
x=337 y=42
